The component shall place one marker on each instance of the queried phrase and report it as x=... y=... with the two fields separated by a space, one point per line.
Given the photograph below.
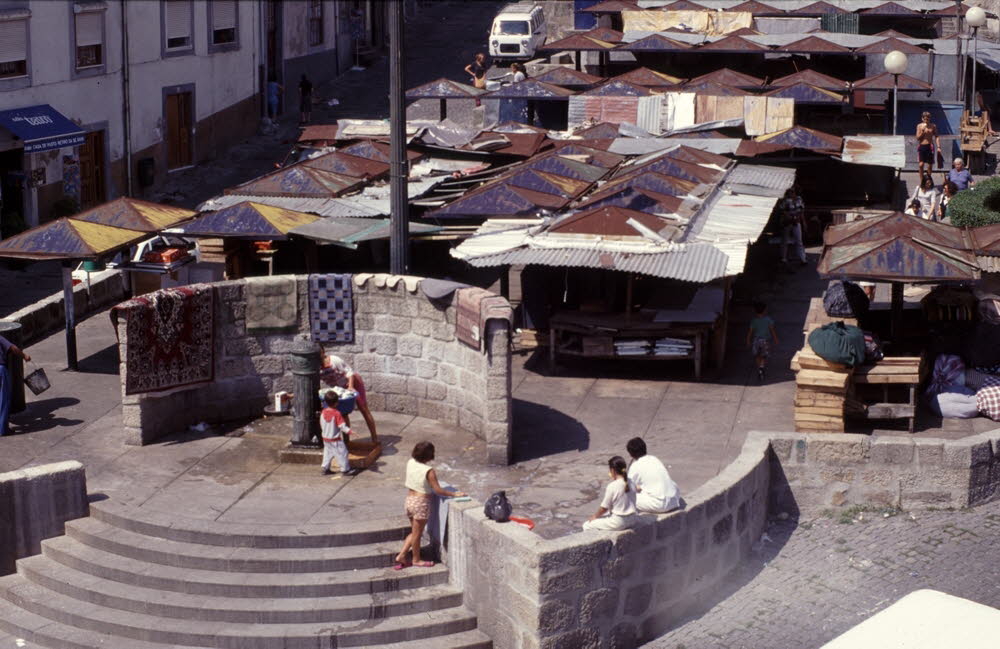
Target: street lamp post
x=895 y=64
x=976 y=18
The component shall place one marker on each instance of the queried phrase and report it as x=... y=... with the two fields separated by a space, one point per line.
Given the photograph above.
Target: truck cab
x=517 y=31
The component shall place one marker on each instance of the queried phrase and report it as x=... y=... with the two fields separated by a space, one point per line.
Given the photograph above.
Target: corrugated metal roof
x=604 y=34
x=333 y=207
x=640 y=146
x=879 y=150
x=890 y=9
x=804 y=138
x=889 y=45
x=733 y=44
x=803 y=93
x=728 y=77
x=68 y=238
x=813 y=78
x=443 y=89
x=566 y=76
x=349 y=231
x=298 y=180
x=814 y=44
x=648 y=78
x=611 y=7
x=531 y=89
x=617 y=88
x=768 y=177
x=885 y=81
x=796 y=5
x=246 y=220
x=653 y=43
x=578 y=42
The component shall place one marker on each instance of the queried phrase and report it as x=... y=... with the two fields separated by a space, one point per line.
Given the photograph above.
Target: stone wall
x=608 y=589
x=834 y=470
x=48 y=315
x=404 y=348
x=35 y=504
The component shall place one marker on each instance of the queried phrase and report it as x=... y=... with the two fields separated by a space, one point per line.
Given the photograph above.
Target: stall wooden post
x=722 y=326
x=897 y=311
x=70 y=313
x=628 y=298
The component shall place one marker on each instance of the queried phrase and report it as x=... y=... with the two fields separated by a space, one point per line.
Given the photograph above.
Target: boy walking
x=761 y=328
x=333 y=430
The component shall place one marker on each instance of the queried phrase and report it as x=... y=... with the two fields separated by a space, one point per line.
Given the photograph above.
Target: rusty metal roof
x=885 y=80
x=564 y=76
x=318 y=132
x=247 y=220
x=299 y=180
x=900 y=259
x=531 y=89
x=612 y=221
x=732 y=44
x=443 y=89
x=803 y=93
x=578 y=42
x=523 y=145
x=546 y=183
x=889 y=45
x=656 y=182
x=879 y=150
x=670 y=166
x=728 y=77
x=563 y=166
x=648 y=78
x=986 y=240
x=135 y=214
x=611 y=7
x=684 y=5
x=818 y=9
x=595 y=157
x=498 y=199
x=813 y=78
x=712 y=88
x=801 y=137
x=892 y=33
x=599 y=131
x=814 y=45
x=348 y=165
x=655 y=43
x=68 y=238
x=378 y=151
x=897 y=224
x=635 y=198
x=757 y=8
x=604 y=34
x=889 y=9
x=349 y=231
x=617 y=88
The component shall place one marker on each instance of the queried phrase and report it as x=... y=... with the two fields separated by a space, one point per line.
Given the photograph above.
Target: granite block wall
x=35 y=504
x=837 y=470
x=608 y=589
x=404 y=348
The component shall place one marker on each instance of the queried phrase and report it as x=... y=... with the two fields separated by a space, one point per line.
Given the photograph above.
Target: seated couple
x=643 y=486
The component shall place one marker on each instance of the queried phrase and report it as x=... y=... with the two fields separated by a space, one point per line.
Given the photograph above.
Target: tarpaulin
x=703 y=22
x=649 y=113
x=678 y=111
x=780 y=114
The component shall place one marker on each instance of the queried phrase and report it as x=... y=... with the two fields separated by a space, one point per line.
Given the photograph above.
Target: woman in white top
x=617 y=510
x=927 y=195
x=520 y=73
x=422 y=483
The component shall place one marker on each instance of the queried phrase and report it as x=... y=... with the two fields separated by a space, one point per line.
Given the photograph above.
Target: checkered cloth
x=331 y=308
x=988 y=402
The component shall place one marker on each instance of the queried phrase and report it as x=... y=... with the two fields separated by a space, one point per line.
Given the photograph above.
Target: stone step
x=115 y=595
x=465 y=640
x=115 y=540
x=37 y=631
x=115 y=567
x=225 y=635
x=190 y=530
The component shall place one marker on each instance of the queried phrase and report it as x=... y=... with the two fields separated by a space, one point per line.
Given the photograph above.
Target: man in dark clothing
x=305 y=99
x=7 y=349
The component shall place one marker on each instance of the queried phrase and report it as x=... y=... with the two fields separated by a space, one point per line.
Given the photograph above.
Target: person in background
x=792 y=212
x=656 y=493
x=337 y=372
x=617 y=510
x=927 y=143
x=761 y=328
x=274 y=91
x=913 y=209
x=520 y=72
x=7 y=351
x=927 y=195
x=305 y=99
x=477 y=70
x=334 y=430
x=961 y=176
x=422 y=483
x=950 y=189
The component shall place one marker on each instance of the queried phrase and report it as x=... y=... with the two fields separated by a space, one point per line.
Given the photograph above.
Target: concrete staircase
x=128 y=579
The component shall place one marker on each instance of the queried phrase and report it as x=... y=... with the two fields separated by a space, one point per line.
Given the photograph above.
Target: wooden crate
x=362 y=455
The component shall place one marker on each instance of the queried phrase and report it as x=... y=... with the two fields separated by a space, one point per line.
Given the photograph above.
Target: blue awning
x=41 y=128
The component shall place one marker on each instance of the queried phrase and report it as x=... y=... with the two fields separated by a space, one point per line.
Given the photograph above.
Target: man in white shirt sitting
x=657 y=493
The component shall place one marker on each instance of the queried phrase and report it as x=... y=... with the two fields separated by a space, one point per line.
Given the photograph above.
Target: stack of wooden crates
x=822 y=393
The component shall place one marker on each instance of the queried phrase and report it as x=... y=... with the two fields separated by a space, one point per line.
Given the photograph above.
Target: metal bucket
x=37 y=382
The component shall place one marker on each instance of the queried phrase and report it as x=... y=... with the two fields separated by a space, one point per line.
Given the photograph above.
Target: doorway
x=12 y=215
x=92 y=170
x=179 y=126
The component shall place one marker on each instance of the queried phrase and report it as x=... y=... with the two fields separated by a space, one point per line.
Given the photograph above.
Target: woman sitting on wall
x=337 y=372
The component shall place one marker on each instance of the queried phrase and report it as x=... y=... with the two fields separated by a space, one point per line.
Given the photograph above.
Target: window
x=512 y=28
x=89 y=39
x=13 y=49
x=223 y=22
x=177 y=24
x=315 y=22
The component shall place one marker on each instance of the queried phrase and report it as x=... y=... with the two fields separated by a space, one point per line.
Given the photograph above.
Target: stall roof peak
x=813 y=78
x=566 y=76
x=617 y=88
x=891 y=44
x=728 y=77
x=532 y=89
x=443 y=89
x=135 y=214
x=578 y=42
x=655 y=43
x=733 y=44
x=814 y=44
x=646 y=77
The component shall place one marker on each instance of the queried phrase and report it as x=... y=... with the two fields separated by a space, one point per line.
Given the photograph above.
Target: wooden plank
x=818 y=399
x=867 y=370
x=901 y=379
x=891 y=410
x=808 y=360
x=830 y=411
x=822 y=419
x=818 y=428
x=822 y=378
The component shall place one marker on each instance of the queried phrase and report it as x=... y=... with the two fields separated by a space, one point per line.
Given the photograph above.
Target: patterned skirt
x=418 y=506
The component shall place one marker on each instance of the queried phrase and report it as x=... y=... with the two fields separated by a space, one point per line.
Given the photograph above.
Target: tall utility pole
x=399 y=240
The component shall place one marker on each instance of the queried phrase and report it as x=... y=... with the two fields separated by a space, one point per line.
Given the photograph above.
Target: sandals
x=400 y=565
x=424 y=564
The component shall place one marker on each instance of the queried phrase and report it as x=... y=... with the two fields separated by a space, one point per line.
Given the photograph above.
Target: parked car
x=518 y=30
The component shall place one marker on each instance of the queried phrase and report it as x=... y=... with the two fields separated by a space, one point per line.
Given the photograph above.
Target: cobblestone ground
x=813 y=581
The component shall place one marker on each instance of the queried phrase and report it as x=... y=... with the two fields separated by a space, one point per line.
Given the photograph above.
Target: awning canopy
x=134 y=214
x=348 y=232
x=68 y=238
x=246 y=220
x=41 y=128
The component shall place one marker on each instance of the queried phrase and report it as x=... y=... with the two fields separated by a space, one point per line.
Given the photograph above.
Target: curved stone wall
x=404 y=347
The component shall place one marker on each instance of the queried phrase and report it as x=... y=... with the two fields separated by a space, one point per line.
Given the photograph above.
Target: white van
x=518 y=30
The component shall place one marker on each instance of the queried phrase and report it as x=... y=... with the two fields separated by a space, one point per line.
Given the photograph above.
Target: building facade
x=105 y=98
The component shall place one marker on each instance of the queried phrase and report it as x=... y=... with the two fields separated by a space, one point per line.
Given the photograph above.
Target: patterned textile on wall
x=169 y=338
x=331 y=308
x=272 y=304
x=473 y=308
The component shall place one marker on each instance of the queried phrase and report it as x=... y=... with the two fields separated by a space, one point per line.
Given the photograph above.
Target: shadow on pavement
x=102 y=362
x=540 y=430
x=40 y=415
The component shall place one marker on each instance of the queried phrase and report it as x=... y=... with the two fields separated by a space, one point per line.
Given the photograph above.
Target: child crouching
x=334 y=432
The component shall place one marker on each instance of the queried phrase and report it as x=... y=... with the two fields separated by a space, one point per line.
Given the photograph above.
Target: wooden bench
x=904 y=371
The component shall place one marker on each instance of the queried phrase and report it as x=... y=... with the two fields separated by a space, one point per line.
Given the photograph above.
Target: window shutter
x=224 y=14
x=13 y=41
x=178 y=15
x=88 y=28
